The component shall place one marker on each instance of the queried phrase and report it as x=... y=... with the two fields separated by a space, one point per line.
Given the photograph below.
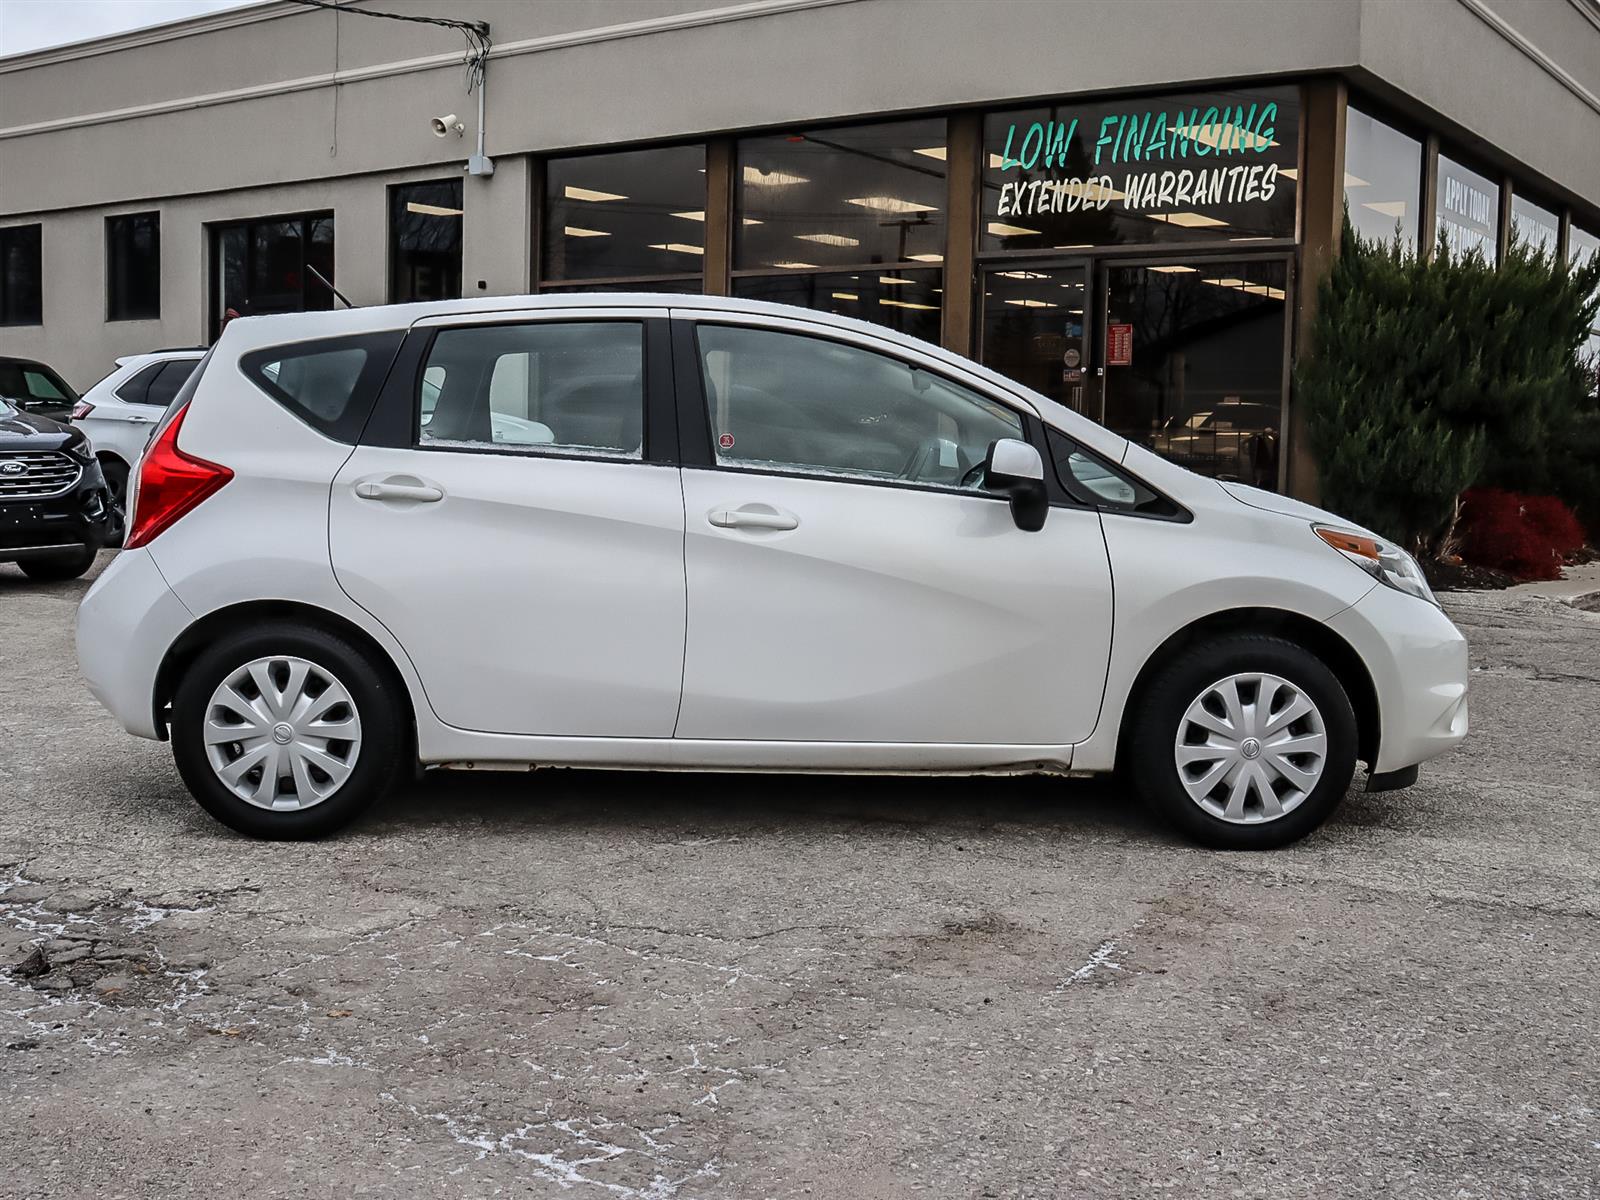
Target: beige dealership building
x=1123 y=204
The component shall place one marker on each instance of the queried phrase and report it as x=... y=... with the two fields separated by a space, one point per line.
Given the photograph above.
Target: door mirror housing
x=1014 y=468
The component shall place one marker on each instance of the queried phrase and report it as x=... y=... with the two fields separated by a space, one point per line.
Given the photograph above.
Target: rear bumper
x=126 y=624
x=82 y=517
x=1418 y=662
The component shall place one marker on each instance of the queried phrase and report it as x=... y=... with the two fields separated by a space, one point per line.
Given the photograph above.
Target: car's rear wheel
x=1246 y=742
x=287 y=731
x=116 y=476
x=57 y=568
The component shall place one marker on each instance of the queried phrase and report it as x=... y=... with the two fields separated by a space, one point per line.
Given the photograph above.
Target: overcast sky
x=30 y=24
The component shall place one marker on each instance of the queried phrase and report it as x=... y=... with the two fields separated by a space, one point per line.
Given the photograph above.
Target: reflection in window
x=1205 y=383
x=841 y=197
x=133 y=267
x=1582 y=246
x=1212 y=166
x=785 y=401
x=272 y=266
x=1534 y=225
x=1382 y=180
x=1034 y=331
x=627 y=215
x=425 y=241
x=905 y=301
x=557 y=386
x=1468 y=210
x=21 y=276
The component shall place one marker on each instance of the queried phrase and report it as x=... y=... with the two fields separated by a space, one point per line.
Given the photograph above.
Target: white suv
x=120 y=411
x=670 y=532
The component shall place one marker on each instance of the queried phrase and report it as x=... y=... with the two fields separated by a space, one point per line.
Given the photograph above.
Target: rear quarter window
x=330 y=384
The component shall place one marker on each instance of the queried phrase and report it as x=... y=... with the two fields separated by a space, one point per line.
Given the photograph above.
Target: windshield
x=35 y=382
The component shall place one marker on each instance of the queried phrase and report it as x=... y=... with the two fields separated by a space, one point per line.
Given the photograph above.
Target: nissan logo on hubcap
x=1250 y=748
x=283 y=734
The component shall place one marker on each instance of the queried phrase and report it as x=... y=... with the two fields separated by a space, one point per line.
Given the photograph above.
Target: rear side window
x=136 y=388
x=554 y=387
x=169 y=379
x=330 y=384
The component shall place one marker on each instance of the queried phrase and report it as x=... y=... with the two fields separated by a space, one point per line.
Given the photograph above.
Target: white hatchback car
x=670 y=532
x=120 y=412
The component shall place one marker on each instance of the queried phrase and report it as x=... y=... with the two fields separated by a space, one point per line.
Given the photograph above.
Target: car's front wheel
x=1246 y=742
x=287 y=731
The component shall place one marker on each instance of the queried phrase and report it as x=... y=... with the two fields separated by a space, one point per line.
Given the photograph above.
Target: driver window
x=788 y=402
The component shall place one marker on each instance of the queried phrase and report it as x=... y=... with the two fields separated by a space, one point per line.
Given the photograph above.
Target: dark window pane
x=791 y=402
x=425 y=241
x=271 y=266
x=1382 y=180
x=554 y=387
x=1534 y=225
x=1205 y=384
x=21 y=276
x=1207 y=166
x=838 y=197
x=905 y=301
x=133 y=267
x=1468 y=210
x=136 y=388
x=171 y=377
x=330 y=383
x=1034 y=332
x=640 y=212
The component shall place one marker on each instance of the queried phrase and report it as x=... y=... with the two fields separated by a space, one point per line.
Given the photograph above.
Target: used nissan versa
x=671 y=532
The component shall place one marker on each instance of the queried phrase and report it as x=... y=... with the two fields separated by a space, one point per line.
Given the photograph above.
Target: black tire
x=1155 y=730
x=377 y=696
x=58 y=568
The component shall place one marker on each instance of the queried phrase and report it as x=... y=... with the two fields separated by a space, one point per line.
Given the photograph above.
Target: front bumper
x=82 y=517
x=1418 y=662
x=126 y=624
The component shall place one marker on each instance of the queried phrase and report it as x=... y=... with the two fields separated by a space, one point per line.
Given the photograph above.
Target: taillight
x=83 y=409
x=171 y=484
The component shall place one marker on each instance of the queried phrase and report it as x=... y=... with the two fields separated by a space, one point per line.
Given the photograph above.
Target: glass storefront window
x=1382 y=180
x=1204 y=166
x=1534 y=225
x=272 y=266
x=1468 y=210
x=425 y=241
x=1034 y=329
x=841 y=197
x=633 y=214
x=905 y=301
x=1203 y=379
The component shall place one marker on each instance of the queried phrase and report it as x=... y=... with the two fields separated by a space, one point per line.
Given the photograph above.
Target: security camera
x=446 y=125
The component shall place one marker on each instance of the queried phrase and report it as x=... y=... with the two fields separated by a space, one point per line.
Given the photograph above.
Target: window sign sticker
x=1119 y=345
x=726 y=441
x=1071 y=357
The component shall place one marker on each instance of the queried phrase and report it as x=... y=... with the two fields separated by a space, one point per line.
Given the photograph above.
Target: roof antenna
x=328 y=283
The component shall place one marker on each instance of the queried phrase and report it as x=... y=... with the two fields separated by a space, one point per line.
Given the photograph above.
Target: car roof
x=150 y=356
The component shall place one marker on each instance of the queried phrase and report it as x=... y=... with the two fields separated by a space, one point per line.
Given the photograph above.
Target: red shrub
x=1525 y=536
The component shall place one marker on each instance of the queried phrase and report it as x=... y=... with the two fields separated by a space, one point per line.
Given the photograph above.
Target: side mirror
x=1014 y=469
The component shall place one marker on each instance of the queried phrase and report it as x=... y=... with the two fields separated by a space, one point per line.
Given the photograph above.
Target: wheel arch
x=1339 y=655
x=208 y=628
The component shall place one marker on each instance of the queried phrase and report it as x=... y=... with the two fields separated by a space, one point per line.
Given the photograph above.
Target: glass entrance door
x=1199 y=370
x=1035 y=331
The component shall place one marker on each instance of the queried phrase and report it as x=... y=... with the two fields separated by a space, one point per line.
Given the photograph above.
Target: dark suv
x=35 y=388
x=55 y=511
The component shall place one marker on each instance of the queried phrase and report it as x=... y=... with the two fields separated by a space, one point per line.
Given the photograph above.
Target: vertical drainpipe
x=1322 y=219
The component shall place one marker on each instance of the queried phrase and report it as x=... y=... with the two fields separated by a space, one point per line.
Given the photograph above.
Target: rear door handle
x=752 y=517
x=138 y=420
x=394 y=489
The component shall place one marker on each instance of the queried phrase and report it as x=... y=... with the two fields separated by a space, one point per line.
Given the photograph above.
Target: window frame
x=113 y=223
x=397 y=418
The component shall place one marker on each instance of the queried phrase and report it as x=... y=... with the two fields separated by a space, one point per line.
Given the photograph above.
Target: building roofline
x=147 y=35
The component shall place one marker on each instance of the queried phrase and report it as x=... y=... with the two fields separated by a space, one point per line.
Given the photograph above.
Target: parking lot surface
x=653 y=986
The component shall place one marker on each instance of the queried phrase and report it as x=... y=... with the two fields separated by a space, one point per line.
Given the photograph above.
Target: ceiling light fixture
x=1174 y=270
x=1001 y=229
x=431 y=210
x=928 y=258
x=589 y=194
x=891 y=204
x=1189 y=220
x=575 y=231
x=678 y=247
x=794 y=266
x=932 y=152
x=829 y=239
x=759 y=178
x=909 y=304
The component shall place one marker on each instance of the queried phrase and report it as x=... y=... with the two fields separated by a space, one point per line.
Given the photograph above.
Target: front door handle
x=752 y=516
x=399 y=489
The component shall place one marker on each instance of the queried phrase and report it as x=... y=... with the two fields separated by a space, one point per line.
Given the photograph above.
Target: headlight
x=1385 y=563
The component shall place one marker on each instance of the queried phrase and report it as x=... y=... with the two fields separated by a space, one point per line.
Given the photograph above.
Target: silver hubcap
x=1251 y=748
x=282 y=733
